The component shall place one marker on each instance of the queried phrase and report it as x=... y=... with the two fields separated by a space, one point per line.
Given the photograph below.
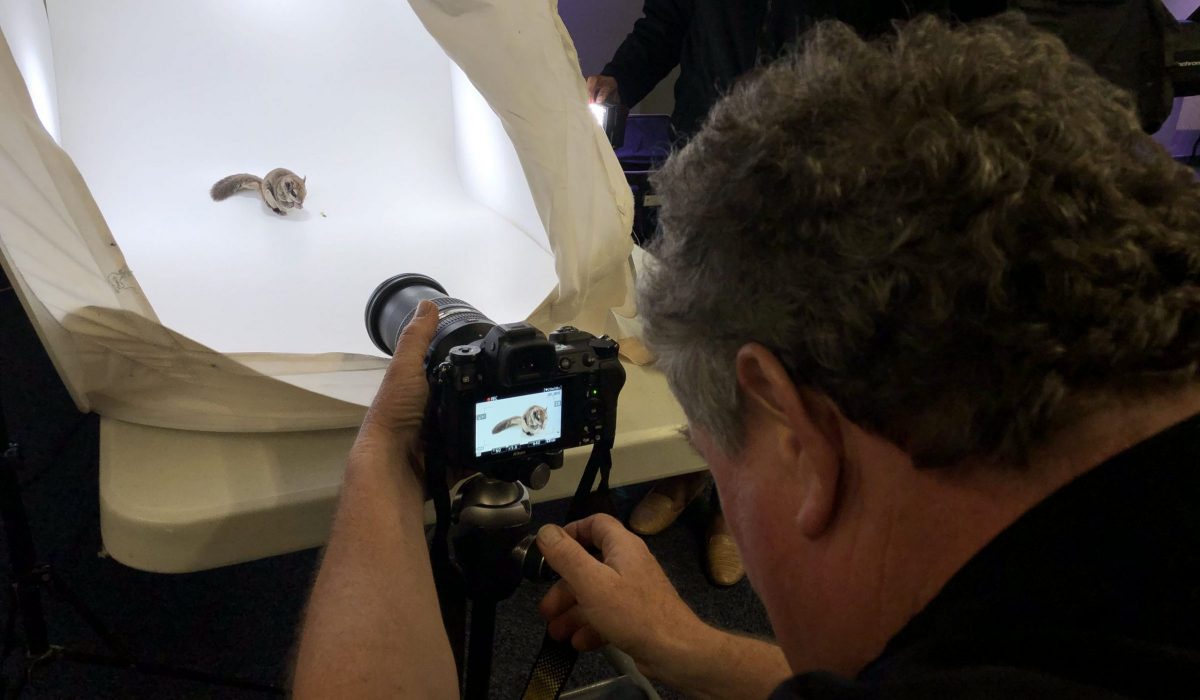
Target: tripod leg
x=479 y=651
x=18 y=687
x=28 y=580
x=10 y=626
x=59 y=586
x=21 y=555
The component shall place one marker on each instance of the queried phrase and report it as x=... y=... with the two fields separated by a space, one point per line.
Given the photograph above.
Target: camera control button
x=539 y=476
x=605 y=347
x=565 y=363
x=589 y=360
x=564 y=335
x=463 y=354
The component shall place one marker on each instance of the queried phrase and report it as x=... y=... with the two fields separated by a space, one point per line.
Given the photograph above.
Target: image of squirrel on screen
x=531 y=423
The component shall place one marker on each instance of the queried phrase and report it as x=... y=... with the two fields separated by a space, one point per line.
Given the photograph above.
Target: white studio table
x=175 y=501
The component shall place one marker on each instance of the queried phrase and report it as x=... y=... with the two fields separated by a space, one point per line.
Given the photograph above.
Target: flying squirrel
x=281 y=189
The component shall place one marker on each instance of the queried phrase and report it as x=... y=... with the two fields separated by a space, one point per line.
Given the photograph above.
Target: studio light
x=611 y=119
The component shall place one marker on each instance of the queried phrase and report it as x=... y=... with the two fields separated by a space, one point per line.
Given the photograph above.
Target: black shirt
x=1123 y=40
x=716 y=41
x=713 y=42
x=1094 y=593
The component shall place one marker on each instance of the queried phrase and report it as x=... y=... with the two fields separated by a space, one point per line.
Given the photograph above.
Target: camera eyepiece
x=394 y=303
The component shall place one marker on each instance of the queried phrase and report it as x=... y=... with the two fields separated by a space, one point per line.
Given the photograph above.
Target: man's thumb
x=565 y=555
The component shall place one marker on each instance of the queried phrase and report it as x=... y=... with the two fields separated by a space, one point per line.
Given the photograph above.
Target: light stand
x=29 y=580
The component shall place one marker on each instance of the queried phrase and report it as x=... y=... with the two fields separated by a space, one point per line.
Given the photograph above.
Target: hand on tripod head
x=622 y=597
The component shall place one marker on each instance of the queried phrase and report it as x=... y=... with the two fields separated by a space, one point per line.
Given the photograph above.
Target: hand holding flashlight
x=602 y=87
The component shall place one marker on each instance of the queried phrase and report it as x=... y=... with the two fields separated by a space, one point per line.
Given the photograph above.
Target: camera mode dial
x=463 y=354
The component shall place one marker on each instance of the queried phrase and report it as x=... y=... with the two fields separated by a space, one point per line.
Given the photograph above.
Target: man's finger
x=566 y=625
x=414 y=340
x=558 y=600
x=601 y=531
x=400 y=402
x=587 y=638
x=570 y=559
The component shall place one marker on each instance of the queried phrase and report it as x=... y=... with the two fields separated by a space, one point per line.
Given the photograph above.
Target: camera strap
x=551 y=669
x=556 y=660
x=586 y=501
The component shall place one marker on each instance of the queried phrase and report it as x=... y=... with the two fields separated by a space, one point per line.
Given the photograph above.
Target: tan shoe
x=665 y=502
x=724 y=560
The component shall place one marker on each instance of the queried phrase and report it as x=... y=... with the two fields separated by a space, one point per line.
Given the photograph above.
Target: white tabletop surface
x=175 y=501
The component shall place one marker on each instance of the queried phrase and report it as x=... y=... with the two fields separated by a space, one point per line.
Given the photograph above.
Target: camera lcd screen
x=506 y=424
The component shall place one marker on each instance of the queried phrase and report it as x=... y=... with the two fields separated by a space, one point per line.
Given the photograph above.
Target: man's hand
x=602 y=87
x=624 y=598
x=391 y=431
x=373 y=627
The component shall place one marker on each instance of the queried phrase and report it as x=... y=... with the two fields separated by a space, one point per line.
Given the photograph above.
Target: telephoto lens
x=394 y=303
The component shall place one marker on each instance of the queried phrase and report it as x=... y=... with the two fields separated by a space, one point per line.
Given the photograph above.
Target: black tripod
x=494 y=543
x=30 y=580
x=495 y=549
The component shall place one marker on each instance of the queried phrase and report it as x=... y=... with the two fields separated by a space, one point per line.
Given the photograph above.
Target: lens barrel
x=394 y=303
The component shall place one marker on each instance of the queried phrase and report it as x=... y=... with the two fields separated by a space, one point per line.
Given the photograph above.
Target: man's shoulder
x=1028 y=617
x=966 y=683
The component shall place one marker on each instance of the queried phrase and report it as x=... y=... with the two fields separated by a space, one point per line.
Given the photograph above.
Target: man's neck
x=943 y=517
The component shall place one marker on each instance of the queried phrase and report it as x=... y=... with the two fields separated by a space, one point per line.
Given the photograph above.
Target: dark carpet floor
x=238 y=620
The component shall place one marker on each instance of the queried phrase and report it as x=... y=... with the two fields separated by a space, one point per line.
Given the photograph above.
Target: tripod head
x=493 y=538
x=484 y=544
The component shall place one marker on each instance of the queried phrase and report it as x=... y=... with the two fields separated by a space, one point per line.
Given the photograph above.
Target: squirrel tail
x=506 y=424
x=227 y=186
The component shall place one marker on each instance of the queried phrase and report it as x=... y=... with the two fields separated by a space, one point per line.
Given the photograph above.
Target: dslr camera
x=505 y=400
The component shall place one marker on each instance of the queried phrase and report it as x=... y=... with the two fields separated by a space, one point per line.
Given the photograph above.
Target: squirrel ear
x=304 y=179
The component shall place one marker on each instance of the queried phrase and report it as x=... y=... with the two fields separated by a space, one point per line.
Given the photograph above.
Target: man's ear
x=811 y=438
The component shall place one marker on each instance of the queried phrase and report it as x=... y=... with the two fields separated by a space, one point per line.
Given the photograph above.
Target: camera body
x=508 y=404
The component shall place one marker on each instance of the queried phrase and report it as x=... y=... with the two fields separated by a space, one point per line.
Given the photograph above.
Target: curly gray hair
x=958 y=234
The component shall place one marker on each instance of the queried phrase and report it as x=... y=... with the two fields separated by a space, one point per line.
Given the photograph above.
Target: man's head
x=882 y=261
